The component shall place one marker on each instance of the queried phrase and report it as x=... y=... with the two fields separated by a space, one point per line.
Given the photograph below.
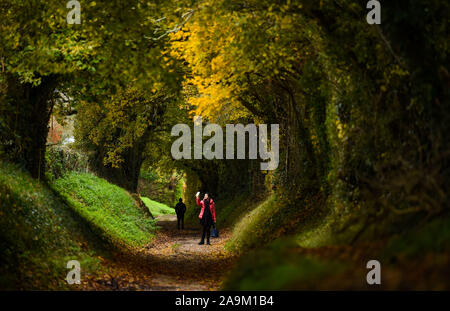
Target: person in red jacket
x=207 y=216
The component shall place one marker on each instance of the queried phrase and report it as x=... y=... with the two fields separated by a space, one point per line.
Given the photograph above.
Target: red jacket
x=211 y=208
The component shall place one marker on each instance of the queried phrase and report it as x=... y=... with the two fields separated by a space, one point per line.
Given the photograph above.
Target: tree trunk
x=27 y=113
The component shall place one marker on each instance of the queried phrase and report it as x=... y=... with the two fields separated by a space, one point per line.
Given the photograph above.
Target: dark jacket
x=180 y=208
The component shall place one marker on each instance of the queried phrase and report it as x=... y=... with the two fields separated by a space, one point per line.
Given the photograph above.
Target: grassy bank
x=156 y=208
x=261 y=222
x=39 y=234
x=109 y=209
x=417 y=259
x=302 y=248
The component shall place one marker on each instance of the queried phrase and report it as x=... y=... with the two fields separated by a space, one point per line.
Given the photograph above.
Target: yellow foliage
x=224 y=49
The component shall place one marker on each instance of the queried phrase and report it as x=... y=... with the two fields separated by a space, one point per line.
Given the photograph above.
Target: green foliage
x=45 y=61
x=178 y=191
x=251 y=230
x=121 y=124
x=118 y=132
x=110 y=210
x=162 y=186
x=264 y=221
x=158 y=209
x=363 y=114
x=361 y=130
x=96 y=48
x=280 y=267
x=61 y=160
x=192 y=186
x=38 y=235
x=284 y=265
x=433 y=237
x=232 y=212
x=149 y=175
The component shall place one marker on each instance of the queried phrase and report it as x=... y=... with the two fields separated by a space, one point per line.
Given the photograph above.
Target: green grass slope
x=156 y=208
x=264 y=221
x=39 y=234
x=109 y=209
x=417 y=259
x=280 y=266
x=299 y=248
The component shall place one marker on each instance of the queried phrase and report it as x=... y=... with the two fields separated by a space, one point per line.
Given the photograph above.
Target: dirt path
x=173 y=261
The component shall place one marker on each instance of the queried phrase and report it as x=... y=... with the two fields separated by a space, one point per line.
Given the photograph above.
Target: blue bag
x=215 y=232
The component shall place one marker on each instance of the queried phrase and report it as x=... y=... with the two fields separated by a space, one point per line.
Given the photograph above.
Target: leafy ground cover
x=109 y=209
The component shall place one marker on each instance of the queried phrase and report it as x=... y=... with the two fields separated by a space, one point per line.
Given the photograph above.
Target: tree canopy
x=356 y=103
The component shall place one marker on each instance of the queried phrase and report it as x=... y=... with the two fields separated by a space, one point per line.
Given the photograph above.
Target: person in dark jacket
x=207 y=216
x=180 y=209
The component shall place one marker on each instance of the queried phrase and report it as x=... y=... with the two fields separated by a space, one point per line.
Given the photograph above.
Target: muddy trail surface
x=173 y=261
